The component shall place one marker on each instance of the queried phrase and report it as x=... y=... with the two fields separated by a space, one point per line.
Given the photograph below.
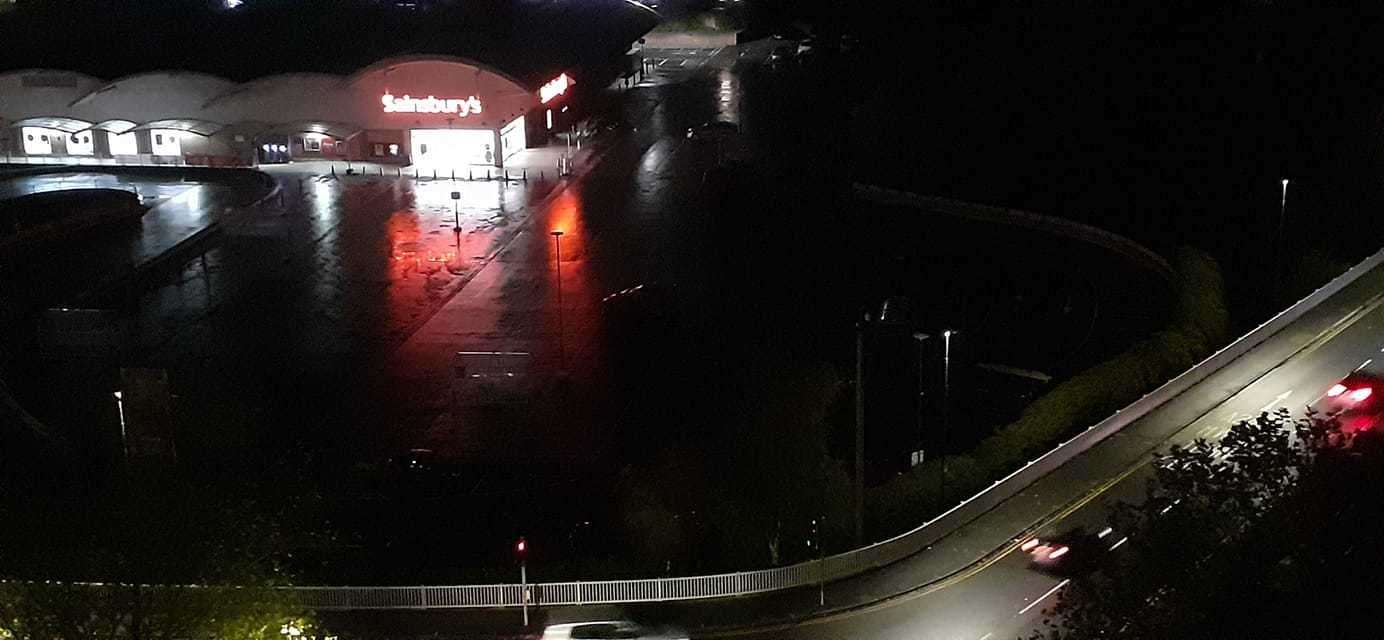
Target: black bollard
x=487 y=174
x=469 y=177
x=526 y=175
x=333 y=171
x=434 y=174
x=454 y=175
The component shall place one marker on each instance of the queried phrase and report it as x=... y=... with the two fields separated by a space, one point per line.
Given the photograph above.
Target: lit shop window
x=37 y=141
x=79 y=144
x=123 y=144
x=165 y=142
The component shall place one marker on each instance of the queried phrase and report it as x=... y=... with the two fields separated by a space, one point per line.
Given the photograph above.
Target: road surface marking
x=1277 y=399
x=1044 y=596
x=987 y=636
x=1121 y=542
x=1364 y=364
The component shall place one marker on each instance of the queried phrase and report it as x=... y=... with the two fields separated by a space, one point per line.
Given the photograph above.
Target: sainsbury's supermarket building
x=426 y=111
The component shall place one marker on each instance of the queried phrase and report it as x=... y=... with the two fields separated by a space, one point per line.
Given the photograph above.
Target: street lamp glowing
x=120 y=410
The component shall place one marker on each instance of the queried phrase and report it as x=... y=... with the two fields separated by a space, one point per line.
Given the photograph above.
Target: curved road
x=1003 y=597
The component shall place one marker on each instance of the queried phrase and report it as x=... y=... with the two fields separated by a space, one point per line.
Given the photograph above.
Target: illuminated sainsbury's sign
x=554 y=88
x=430 y=104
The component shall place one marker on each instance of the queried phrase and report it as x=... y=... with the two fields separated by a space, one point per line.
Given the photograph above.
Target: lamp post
x=1282 y=215
x=120 y=408
x=521 y=549
x=918 y=410
x=946 y=407
x=561 y=340
x=1278 y=270
x=821 y=560
x=858 y=483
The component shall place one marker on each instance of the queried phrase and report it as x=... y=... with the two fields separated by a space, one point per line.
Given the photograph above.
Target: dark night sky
x=528 y=39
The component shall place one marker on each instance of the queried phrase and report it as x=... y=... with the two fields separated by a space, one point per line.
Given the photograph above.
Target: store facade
x=430 y=112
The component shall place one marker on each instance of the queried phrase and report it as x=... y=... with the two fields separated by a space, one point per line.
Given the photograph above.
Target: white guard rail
x=833 y=567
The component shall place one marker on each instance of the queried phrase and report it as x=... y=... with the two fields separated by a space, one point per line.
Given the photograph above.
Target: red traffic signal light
x=521 y=547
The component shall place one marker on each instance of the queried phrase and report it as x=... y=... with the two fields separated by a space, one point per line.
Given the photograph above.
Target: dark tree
x=1273 y=532
x=149 y=557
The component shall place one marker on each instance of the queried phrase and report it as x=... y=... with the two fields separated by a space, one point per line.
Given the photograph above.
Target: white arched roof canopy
x=115 y=126
x=501 y=98
x=65 y=125
x=152 y=96
x=42 y=92
x=189 y=125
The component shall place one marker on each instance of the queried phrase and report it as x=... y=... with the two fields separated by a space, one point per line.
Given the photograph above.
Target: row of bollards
x=521 y=175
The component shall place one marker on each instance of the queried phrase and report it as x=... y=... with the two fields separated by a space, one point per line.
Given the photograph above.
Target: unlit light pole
x=821 y=561
x=561 y=343
x=858 y=485
x=921 y=338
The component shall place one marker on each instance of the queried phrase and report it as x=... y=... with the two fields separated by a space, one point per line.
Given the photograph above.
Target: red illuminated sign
x=554 y=88
x=430 y=104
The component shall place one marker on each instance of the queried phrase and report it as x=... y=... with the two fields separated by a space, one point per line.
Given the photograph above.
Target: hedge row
x=1200 y=324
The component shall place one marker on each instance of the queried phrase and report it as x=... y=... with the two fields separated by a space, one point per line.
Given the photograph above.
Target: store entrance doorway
x=451 y=148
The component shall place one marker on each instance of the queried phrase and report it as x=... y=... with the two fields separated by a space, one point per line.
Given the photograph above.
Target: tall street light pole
x=918 y=408
x=946 y=406
x=561 y=340
x=858 y=484
x=120 y=408
x=1282 y=211
x=521 y=549
x=1278 y=267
